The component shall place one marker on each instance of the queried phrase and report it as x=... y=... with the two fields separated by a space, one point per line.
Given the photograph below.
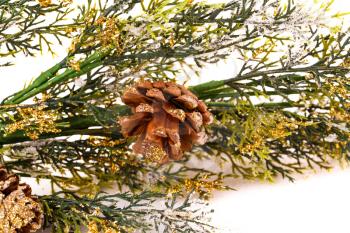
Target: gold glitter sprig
x=103 y=226
x=45 y=3
x=105 y=142
x=34 y=121
x=74 y=64
x=273 y=126
x=203 y=186
x=109 y=33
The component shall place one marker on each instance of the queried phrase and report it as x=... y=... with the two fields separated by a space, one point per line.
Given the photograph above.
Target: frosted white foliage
x=297 y=23
x=196 y=217
x=296 y=27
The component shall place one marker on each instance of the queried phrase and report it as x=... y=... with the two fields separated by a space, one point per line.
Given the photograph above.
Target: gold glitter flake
x=34 y=121
x=144 y=108
x=111 y=230
x=105 y=142
x=153 y=152
x=92 y=227
x=160 y=132
x=45 y=3
x=202 y=185
x=178 y=113
x=75 y=65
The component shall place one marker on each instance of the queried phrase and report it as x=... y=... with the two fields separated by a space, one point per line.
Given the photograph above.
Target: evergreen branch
x=22 y=29
x=123 y=212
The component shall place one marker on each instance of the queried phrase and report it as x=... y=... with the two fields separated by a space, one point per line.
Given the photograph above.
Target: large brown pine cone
x=167 y=119
x=20 y=212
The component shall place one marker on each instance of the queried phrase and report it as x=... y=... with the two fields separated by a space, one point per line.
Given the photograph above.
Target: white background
x=316 y=203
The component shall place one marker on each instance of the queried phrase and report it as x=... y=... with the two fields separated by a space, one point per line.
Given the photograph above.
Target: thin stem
x=284 y=70
x=47 y=79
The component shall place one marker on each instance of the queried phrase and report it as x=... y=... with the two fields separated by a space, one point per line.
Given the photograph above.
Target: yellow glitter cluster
x=34 y=121
x=266 y=127
x=74 y=64
x=93 y=228
x=109 y=33
x=203 y=186
x=114 y=162
x=346 y=63
x=340 y=111
x=105 y=142
x=337 y=86
x=106 y=227
x=154 y=153
x=45 y=3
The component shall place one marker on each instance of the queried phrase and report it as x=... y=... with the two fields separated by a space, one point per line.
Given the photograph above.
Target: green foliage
x=286 y=110
x=25 y=27
x=124 y=212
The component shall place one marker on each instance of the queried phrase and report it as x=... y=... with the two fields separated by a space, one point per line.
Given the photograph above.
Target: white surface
x=319 y=203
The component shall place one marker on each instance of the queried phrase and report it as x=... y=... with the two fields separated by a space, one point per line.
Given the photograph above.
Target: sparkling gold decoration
x=104 y=226
x=267 y=126
x=109 y=33
x=75 y=65
x=202 y=185
x=154 y=152
x=168 y=119
x=19 y=210
x=338 y=113
x=34 y=121
x=144 y=108
x=92 y=227
x=346 y=63
x=100 y=20
x=111 y=230
x=105 y=142
x=45 y=3
x=73 y=44
x=178 y=113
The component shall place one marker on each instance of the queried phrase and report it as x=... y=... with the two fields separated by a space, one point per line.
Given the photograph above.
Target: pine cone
x=20 y=212
x=167 y=119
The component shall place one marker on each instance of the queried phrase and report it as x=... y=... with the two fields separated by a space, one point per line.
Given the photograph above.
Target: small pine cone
x=167 y=119
x=20 y=212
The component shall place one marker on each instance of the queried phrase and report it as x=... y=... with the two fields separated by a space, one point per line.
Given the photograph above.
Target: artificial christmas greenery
x=287 y=109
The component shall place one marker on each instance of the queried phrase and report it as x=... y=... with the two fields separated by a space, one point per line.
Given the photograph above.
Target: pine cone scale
x=172 y=91
x=133 y=97
x=188 y=101
x=8 y=184
x=134 y=124
x=195 y=119
x=174 y=112
x=172 y=129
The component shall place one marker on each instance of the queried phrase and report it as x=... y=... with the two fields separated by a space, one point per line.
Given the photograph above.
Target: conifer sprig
x=286 y=109
x=25 y=28
x=125 y=212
